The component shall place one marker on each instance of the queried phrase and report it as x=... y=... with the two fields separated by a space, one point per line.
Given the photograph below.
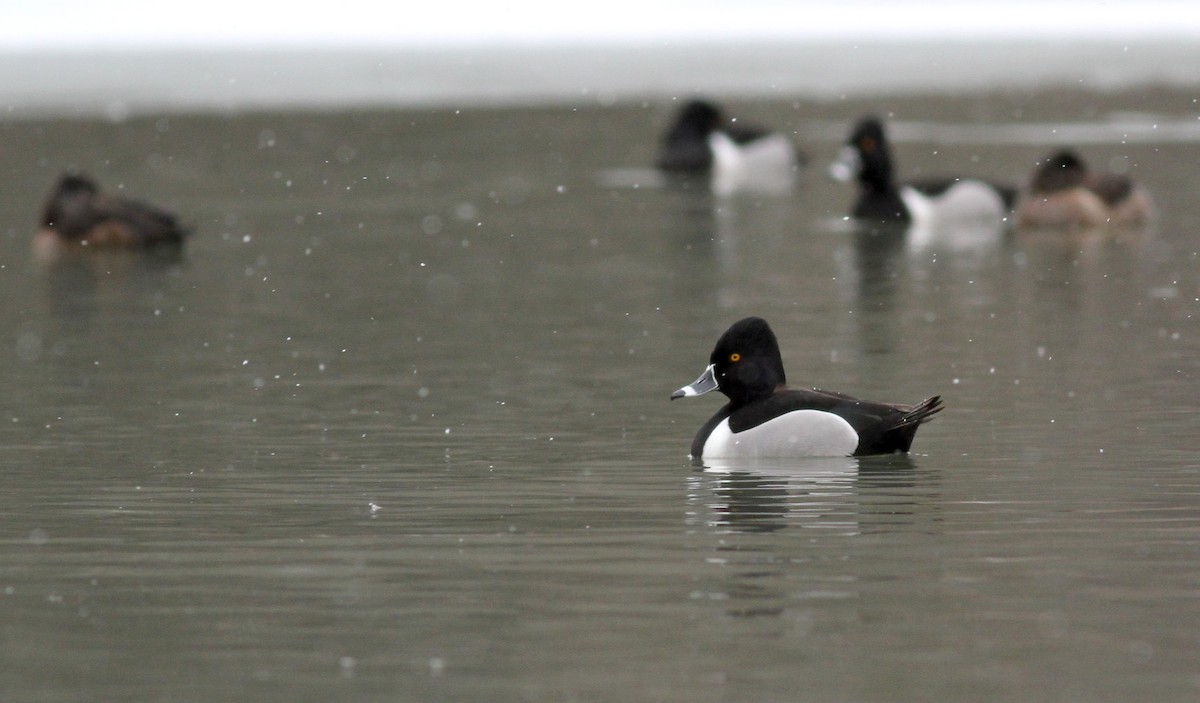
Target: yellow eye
x=735 y=357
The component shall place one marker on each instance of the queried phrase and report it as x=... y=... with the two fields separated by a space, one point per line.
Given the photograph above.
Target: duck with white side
x=764 y=418
x=928 y=206
x=703 y=141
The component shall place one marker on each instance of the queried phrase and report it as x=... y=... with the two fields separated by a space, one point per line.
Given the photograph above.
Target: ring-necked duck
x=1064 y=193
x=77 y=213
x=702 y=141
x=867 y=157
x=765 y=418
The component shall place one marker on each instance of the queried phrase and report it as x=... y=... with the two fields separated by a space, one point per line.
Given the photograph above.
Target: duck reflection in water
x=827 y=500
x=826 y=493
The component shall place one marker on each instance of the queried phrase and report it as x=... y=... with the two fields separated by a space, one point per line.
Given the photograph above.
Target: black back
x=933 y=187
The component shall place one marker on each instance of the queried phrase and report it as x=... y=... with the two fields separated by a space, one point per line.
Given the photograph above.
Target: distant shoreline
x=116 y=84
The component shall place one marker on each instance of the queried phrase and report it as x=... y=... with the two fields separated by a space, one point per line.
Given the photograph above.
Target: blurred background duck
x=702 y=141
x=925 y=204
x=1064 y=193
x=78 y=214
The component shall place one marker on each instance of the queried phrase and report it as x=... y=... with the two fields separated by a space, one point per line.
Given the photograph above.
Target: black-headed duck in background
x=1064 y=193
x=78 y=214
x=867 y=159
x=703 y=141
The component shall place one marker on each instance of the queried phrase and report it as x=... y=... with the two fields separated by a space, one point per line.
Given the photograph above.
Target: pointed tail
x=906 y=425
x=922 y=412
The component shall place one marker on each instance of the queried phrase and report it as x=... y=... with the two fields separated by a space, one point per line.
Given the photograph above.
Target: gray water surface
x=395 y=426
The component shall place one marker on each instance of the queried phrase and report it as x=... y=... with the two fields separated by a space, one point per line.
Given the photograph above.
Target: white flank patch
x=766 y=165
x=798 y=433
x=967 y=216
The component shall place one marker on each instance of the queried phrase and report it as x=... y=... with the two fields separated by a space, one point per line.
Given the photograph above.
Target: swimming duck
x=703 y=141
x=78 y=213
x=765 y=418
x=867 y=157
x=1064 y=193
